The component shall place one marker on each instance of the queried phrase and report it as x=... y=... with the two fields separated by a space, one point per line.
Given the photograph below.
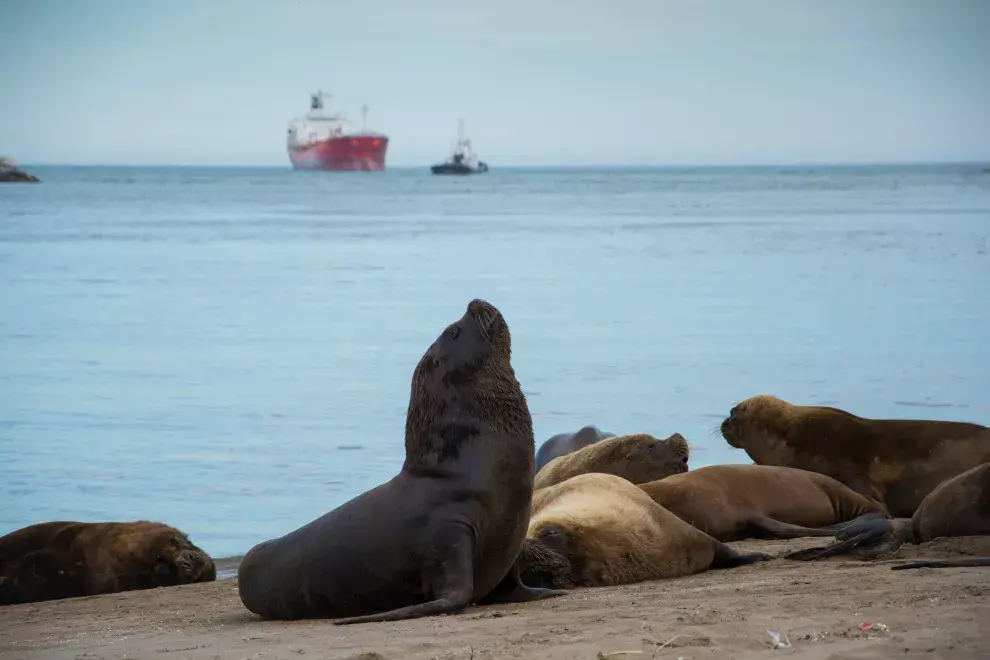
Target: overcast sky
x=537 y=81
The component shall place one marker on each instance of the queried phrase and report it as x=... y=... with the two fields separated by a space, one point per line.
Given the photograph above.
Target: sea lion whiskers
x=485 y=314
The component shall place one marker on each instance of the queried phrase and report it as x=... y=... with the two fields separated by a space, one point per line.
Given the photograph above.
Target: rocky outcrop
x=11 y=173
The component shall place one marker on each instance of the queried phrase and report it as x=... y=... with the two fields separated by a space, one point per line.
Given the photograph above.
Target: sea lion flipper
x=775 y=529
x=944 y=563
x=726 y=557
x=453 y=585
x=431 y=608
x=512 y=590
x=863 y=532
x=764 y=527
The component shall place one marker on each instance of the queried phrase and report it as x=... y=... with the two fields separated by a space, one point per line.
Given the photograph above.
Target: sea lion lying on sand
x=565 y=443
x=65 y=559
x=958 y=507
x=443 y=533
x=734 y=502
x=638 y=457
x=600 y=530
x=894 y=461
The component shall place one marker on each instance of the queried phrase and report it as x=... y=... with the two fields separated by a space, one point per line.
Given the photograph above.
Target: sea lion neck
x=439 y=425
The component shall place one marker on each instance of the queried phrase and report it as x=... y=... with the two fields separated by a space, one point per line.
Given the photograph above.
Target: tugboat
x=462 y=159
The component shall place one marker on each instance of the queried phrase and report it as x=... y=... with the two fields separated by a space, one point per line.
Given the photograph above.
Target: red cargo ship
x=325 y=141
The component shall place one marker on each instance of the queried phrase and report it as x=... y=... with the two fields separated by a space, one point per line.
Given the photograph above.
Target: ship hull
x=458 y=169
x=343 y=154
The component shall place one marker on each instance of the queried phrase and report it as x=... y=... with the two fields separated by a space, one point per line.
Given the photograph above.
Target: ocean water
x=230 y=350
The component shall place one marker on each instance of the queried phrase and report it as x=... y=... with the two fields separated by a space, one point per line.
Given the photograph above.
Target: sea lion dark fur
x=894 y=461
x=734 y=502
x=565 y=443
x=637 y=457
x=65 y=559
x=600 y=530
x=443 y=533
x=960 y=506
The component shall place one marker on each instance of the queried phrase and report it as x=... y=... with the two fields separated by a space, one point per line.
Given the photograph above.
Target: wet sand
x=821 y=609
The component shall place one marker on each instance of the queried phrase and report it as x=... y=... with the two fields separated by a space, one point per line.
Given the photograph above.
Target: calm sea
x=229 y=350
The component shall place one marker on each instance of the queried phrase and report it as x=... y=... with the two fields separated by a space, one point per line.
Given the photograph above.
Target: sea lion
x=638 y=457
x=894 y=461
x=959 y=506
x=565 y=443
x=446 y=530
x=65 y=559
x=600 y=530
x=734 y=502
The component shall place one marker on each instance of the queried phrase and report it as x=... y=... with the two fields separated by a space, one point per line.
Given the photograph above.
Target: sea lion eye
x=454 y=332
x=554 y=537
x=436 y=362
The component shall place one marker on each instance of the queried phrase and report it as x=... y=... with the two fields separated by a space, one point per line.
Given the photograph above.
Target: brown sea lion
x=565 y=443
x=446 y=530
x=734 y=502
x=600 y=530
x=959 y=506
x=896 y=462
x=65 y=559
x=638 y=457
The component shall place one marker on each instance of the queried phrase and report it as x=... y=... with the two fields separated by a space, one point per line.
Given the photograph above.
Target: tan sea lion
x=637 y=457
x=959 y=506
x=443 y=533
x=65 y=559
x=734 y=502
x=894 y=461
x=600 y=530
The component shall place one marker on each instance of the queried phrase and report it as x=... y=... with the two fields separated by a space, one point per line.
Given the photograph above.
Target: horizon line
x=555 y=166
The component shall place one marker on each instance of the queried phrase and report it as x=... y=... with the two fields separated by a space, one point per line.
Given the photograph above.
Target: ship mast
x=463 y=143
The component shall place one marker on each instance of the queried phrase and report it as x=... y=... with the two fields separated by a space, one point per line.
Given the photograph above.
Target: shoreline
x=227 y=566
x=830 y=610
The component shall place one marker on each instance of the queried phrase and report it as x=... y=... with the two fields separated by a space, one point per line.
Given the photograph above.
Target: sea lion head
x=463 y=383
x=545 y=559
x=173 y=559
x=655 y=459
x=644 y=458
x=477 y=344
x=762 y=416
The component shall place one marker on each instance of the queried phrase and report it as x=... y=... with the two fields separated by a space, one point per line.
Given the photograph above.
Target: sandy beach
x=828 y=610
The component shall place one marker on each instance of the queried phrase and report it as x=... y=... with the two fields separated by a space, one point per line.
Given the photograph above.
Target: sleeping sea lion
x=638 y=457
x=960 y=506
x=66 y=559
x=600 y=530
x=734 y=502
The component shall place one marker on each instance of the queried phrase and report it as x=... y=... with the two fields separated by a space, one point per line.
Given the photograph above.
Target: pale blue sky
x=538 y=81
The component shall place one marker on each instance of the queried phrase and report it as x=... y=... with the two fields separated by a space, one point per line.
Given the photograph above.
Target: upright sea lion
x=959 y=506
x=638 y=457
x=734 y=502
x=65 y=559
x=446 y=530
x=600 y=529
x=894 y=461
x=564 y=443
